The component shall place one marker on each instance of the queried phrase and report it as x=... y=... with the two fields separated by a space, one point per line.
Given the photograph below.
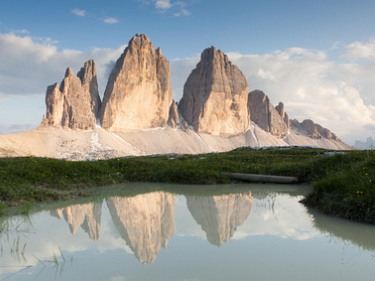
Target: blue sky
x=315 y=56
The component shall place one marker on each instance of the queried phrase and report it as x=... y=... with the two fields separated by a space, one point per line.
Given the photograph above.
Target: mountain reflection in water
x=85 y=215
x=146 y=222
x=113 y=237
x=219 y=216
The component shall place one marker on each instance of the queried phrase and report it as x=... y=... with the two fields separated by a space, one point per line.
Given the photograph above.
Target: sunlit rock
x=138 y=93
x=75 y=102
x=215 y=96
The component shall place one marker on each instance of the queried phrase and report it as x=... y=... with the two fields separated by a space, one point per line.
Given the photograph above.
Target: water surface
x=260 y=233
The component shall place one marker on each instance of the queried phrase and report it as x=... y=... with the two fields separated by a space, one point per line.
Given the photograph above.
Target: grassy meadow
x=343 y=182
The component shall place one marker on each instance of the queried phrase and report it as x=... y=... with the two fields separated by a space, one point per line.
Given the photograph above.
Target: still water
x=261 y=232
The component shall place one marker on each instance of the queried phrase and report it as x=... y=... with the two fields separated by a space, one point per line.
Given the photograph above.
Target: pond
x=243 y=232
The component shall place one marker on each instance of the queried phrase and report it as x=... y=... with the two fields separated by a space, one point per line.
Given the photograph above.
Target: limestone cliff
x=215 y=96
x=145 y=222
x=219 y=216
x=138 y=93
x=265 y=115
x=310 y=129
x=75 y=103
x=280 y=109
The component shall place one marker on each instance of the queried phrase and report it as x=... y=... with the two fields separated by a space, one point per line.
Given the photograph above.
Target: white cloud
x=27 y=66
x=177 y=8
x=180 y=70
x=182 y=11
x=111 y=20
x=361 y=50
x=315 y=87
x=79 y=12
x=163 y=4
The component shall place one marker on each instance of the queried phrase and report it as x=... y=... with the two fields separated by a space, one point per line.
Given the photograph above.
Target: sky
x=317 y=56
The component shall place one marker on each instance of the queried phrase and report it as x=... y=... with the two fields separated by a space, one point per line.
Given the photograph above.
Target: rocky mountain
x=214 y=99
x=368 y=144
x=139 y=117
x=75 y=102
x=138 y=93
x=219 y=216
x=145 y=222
x=315 y=131
x=265 y=115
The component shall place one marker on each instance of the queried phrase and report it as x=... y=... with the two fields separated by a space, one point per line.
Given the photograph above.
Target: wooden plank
x=262 y=178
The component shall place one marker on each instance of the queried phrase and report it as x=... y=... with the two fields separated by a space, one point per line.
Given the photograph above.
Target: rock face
x=215 y=96
x=145 y=222
x=219 y=216
x=75 y=103
x=174 y=117
x=85 y=215
x=138 y=94
x=282 y=113
x=315 y=131
x=87 y=74
x=266 y=116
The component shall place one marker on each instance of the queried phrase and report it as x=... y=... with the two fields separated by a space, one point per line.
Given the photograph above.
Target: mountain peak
x=215 y=96
x=138 y=93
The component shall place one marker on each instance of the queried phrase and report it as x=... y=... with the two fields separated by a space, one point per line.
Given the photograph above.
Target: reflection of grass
x=344 y=182
x=14 y=245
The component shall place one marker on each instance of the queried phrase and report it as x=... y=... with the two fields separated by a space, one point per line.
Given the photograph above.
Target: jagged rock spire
x=75 y=103
x=266 y=116
x=138 y=94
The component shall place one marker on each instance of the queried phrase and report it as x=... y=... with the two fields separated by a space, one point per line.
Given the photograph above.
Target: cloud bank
x=338 y=94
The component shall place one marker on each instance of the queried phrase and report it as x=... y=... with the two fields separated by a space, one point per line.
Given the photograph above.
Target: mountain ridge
x=138 y=115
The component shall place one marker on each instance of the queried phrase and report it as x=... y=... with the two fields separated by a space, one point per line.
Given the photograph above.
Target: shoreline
x=343 y=182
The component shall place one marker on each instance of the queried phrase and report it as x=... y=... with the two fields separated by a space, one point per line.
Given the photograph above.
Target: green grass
x=343 y=182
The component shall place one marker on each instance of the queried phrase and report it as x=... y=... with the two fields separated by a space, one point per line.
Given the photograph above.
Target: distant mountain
x=139 y=117
x=368 y=144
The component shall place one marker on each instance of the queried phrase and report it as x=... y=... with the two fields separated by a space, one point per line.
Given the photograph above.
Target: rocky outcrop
x=312 y=130
x=85 y=215
x=219 y=216
x=138 y=94
x=75 y=103
x=174 y=117
x=282 y=113
x=145 y=222
x=215 y=96
x=266 y=116
x=87 y=74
